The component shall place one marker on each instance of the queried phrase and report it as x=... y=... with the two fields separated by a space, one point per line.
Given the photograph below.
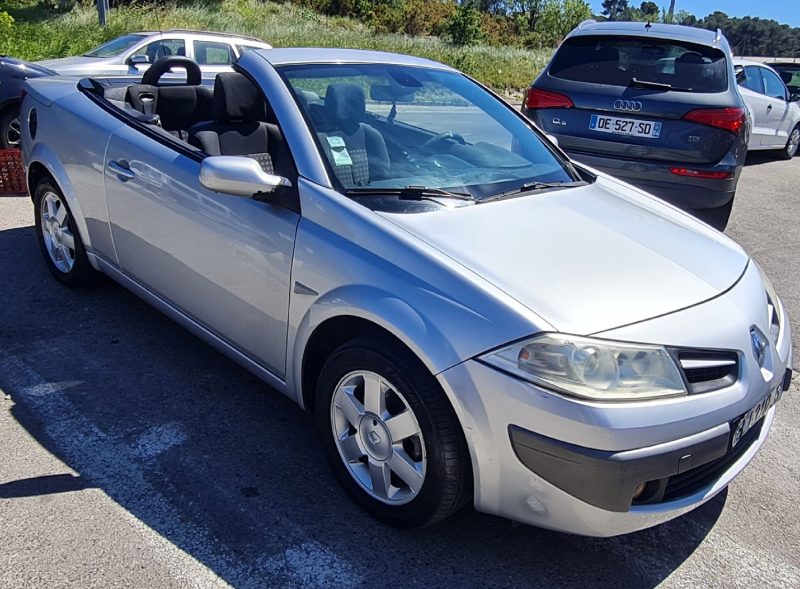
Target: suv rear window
x=618 y=60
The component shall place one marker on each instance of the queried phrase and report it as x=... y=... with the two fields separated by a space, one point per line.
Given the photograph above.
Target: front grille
x=691 y=481
x=708 y=370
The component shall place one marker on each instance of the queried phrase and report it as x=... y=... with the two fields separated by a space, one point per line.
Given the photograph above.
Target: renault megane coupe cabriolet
x=469 y=315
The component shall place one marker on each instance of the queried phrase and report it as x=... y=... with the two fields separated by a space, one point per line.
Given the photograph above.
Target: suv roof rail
x=214 y=34
x=588 y=21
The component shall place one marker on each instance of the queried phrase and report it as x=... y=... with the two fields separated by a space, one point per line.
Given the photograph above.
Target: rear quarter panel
x=70 y=142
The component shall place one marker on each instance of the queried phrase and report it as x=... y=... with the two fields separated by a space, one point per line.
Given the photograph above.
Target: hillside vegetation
x=38 y=32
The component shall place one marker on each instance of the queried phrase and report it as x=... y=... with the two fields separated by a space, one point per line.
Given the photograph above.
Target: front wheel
x=792 y=144
x=392 y=439
x=59 y=240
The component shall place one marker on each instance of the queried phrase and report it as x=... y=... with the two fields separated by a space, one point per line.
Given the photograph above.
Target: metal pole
x=102 y=11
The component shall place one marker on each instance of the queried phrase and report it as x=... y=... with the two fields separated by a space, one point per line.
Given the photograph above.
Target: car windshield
x=115 y=46
x=419 y=132
x=631 y=61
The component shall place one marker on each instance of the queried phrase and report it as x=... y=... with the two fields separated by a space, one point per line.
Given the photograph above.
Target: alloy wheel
x=378 y=437
x=794 y=142
x=58 y=238
x=13 y=133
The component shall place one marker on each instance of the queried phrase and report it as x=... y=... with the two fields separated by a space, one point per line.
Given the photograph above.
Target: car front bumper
x=570 y=465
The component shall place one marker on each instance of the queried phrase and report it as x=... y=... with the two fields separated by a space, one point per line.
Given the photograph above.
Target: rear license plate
x=743 y=425
x=619 y=126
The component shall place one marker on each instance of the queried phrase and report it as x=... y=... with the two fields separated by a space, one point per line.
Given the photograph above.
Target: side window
x=213 y=53
x=162 y=48
x=775 y=87
x=752 y=80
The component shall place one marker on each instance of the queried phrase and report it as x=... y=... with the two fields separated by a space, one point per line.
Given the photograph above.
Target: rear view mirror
x=739 y=71
x=238 y=176
x=391 y=93
x=135 y=60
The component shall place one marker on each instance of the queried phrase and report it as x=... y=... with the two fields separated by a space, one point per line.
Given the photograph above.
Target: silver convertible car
x=469 y=316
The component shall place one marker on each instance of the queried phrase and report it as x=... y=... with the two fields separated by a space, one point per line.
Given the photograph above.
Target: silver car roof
x=319 y=55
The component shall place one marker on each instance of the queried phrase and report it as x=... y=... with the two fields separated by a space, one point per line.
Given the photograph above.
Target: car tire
x=792 y=144
x=58 y=237
x=9 y=129
x=407 y=482
x=718 y=217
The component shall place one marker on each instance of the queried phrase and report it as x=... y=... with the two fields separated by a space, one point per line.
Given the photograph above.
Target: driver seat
x=356 y=150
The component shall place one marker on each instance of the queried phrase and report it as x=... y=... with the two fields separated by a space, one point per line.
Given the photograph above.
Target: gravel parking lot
x=133 y=455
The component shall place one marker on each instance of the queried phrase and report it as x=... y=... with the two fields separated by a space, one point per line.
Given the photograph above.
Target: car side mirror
x=794 y=97
x=552 y=139
x=135 y=60
x=740 y=77
x=238 y=176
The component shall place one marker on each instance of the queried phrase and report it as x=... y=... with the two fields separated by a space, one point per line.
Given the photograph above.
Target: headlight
x=592 y=369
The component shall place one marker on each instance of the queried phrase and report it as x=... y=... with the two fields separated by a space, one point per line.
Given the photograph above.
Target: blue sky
x=784 y=11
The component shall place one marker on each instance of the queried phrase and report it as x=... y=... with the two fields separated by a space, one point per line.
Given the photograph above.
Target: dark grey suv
x=654 y=105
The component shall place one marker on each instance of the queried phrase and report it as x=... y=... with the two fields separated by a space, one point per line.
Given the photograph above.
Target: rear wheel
x=10 y=132
x=391 y=436
x=59 y=240
x=792 y=144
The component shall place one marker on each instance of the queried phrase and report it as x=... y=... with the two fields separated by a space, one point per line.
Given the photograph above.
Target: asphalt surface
x=133 y=455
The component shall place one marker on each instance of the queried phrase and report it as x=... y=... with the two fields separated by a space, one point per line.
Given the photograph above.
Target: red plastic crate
x=12 y=174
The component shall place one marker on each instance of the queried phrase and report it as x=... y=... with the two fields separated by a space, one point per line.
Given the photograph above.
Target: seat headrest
x=345 y=104
x=236 y=98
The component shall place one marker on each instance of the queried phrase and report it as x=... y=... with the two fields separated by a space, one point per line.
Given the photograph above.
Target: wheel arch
x=43 y=164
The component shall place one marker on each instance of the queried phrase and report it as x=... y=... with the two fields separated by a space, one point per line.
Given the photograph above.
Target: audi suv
x=654 y=105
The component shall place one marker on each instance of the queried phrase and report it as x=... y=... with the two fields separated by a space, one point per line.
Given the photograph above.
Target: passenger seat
x=239 y=126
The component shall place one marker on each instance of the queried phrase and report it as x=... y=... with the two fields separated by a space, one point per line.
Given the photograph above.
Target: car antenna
x=648 y=25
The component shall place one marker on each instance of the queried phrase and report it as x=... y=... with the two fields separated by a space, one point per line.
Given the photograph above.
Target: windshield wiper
x=409 y=193
x=647 y=84
x=533 y=187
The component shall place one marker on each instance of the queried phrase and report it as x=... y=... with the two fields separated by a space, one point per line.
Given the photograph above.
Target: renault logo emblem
x=759 y=344
x=629 y=105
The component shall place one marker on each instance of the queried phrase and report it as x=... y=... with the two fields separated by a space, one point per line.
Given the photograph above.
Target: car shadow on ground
x=757 y=158
x=231 y=472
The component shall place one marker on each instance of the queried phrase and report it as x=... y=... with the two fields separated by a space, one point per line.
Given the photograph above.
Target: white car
x=774 y=111
x=132 y=54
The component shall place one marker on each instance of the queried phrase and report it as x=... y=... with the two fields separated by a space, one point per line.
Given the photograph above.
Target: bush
x=465 y=26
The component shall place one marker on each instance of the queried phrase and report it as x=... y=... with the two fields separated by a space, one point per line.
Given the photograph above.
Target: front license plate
x=752 y=417
x=619 y=126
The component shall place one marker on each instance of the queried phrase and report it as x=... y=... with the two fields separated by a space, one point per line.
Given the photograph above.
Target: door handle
x=769 y=107
x=122 y=170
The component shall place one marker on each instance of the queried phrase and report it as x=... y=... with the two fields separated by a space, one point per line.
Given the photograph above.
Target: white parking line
x=190 y=553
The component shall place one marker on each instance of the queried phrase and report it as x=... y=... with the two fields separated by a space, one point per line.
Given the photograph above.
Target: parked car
x=13 y=73
x=469 y=315
x=133 y=53
x=774 y=111
x=789 y=71
x=655 y=105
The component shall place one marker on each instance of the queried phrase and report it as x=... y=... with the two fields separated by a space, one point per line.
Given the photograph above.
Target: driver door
x=222 y=260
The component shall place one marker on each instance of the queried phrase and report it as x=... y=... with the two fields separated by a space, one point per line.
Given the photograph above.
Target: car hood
x=586 y=259
x=76 y=63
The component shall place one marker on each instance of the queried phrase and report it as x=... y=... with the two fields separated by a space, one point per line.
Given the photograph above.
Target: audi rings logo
x=629 y=105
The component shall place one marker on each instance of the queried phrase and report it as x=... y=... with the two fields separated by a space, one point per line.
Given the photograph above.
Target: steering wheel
x=449 y=136
x=194 y=77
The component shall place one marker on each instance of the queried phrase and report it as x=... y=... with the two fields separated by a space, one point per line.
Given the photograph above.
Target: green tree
x=465 y=25
x=614 y=8
x=649 y=10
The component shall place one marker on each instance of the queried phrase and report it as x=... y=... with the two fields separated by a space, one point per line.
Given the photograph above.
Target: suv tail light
x=731 y=119
x=545 y=99
x=711 y=175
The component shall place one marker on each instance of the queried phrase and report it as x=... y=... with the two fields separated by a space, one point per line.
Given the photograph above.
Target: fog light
x=638 y=490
